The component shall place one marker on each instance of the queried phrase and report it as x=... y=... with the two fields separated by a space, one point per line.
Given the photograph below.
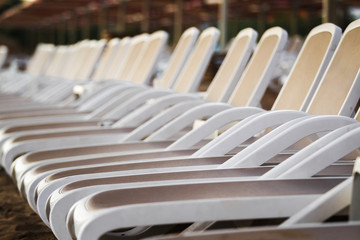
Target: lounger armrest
x=247 y=129
x=325 y=156
x=147 y=111
x=307 y=151
x=101 y=96
x=160 y=120
x=284 y=136
x=186 y=119
x=217 y=121
x=136 y=101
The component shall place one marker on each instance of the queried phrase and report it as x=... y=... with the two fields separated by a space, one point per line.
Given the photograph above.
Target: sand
x=17 y=219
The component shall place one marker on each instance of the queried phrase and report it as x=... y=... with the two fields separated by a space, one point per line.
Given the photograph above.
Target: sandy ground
x=17 y=220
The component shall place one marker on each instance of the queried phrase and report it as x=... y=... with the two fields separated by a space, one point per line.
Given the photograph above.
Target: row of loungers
x=98 y=153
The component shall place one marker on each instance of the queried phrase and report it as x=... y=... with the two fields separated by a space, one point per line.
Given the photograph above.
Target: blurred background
x=25 y=23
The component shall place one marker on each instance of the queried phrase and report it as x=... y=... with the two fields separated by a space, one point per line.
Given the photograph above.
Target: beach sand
x=17 y=219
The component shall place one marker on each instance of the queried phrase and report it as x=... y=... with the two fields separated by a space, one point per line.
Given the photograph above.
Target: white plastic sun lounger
x=125 y=173
x=113 y=47
x=101 y=96
x=75 y=73
x=63 y=198
x=63 y=118
x=42 y=89
x=244 y=49
x=43 y=53
x=148 y=60
x=125 y=156
x=202 y=51
x=116 y=70
x=134 y=134
x=248 y=76
x=13 y=84
x=229 y=200
x=306 y=222
x=296 y=76
x=133 y=63
x=108 y=56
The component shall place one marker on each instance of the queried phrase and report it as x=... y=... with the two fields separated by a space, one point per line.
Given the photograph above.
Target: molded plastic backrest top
x=309 y=68
x=47 y=57
x=69 y=61
x=80 y=64
x=178 y=57
x=58 y=61
x=232 y=67
x=32 y=64
x=106 y=58
x=72 y=65
x=145 y=65
x=119 y=57
x=257 y=74
x=3 y=54
x=55 y=61
x=137 y=45
x=190 y=76
x=43 y=53
x=338 y=92
x=88 y=64
x=84 y=59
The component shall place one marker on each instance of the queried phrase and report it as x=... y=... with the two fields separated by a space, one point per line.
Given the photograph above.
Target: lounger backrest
x=118 y=60
x=338 y=92
x=32 y=66
x=44 y=53
x=106 y=58
x=34 y=58
x=137 y=45
x=45 y=62
x=145 y=65
x=180 y=54
x=72 y=65
x=72 y=57
x=232 y=67
x=257 y=74
x=84 y=57
x=3 y=54
x=190 y=76
x=308 y=68
x=58 y=61
x=90 y=61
